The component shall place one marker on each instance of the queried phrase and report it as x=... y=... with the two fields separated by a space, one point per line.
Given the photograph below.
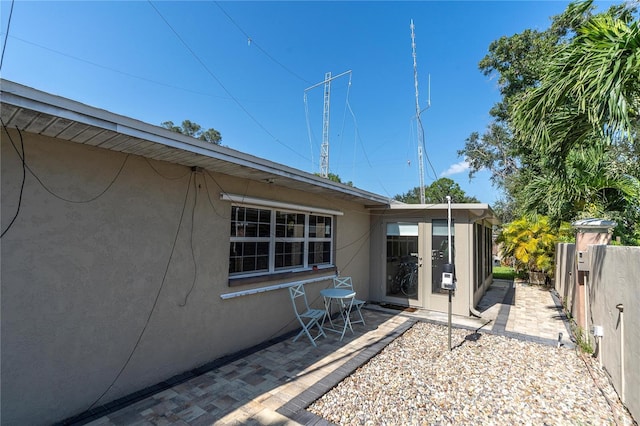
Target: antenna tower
x=324 y=149
x=419 y=123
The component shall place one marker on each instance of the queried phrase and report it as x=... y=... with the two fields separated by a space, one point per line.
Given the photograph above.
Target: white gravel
x=485 y=380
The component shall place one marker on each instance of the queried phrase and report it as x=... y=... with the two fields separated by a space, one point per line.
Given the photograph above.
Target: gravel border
x=485 y=380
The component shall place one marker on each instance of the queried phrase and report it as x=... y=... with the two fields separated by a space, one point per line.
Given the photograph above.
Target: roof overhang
x=42 y=113
x=478 y=211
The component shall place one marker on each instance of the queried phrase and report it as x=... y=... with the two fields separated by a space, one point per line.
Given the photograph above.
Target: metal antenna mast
x=420 y=130
x=324 y=149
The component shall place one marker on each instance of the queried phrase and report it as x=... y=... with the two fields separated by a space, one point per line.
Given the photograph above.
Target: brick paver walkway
x=274 y=385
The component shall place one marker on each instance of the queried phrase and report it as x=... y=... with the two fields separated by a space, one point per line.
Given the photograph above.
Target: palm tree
x=590 y=93
x=594 y=183
x=582 y=123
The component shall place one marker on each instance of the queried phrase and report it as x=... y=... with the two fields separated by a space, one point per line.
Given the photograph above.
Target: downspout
x=585 y=277
x=474 y=312
x=620 y=308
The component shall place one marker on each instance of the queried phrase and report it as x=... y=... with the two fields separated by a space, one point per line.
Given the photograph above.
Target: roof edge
x=13 y=93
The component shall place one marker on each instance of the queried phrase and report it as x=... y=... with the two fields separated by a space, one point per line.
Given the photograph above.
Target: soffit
x=41 y=113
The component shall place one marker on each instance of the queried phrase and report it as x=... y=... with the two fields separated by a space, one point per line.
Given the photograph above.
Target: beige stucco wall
x=82 y=279
x=612 y=279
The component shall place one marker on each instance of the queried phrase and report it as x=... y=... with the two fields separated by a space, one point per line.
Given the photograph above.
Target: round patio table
x=344 y=299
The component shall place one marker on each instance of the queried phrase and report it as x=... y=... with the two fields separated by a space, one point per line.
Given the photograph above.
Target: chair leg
x=317 y=323
x=313 y=341
x=361 y=317
x=306 y=329
x=299 y=334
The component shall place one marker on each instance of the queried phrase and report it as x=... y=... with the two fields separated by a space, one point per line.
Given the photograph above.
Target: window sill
x=282 y=276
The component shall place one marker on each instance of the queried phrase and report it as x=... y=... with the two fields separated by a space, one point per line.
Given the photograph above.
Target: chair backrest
x=298 y=298
x=343 y=282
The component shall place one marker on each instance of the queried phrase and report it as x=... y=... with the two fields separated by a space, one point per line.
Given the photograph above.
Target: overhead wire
x=252 y=41
x=344 y=117
x=355 y=122
x=309 y=131
x=6 y=37
x=125 y=73
x=226 y=90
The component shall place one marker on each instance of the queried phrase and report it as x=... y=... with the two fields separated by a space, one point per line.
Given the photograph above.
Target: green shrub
x=582 y=339
x=531 y=242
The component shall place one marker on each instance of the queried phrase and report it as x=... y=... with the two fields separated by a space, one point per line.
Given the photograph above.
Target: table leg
x=345 y=311
x=327 y=311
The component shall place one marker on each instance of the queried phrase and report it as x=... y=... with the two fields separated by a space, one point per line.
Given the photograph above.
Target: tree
x=563 y=141
x=583 y=119
x=591 y=186
x=194 y=130
x=590 y=94
x=335 y=178
x=437 y=193
x=519 y=62
x=531 y=242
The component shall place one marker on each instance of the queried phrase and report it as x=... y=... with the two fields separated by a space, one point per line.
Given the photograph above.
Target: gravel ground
x=485 y=380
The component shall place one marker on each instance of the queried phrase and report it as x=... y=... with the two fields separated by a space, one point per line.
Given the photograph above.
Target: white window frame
x=275 y=207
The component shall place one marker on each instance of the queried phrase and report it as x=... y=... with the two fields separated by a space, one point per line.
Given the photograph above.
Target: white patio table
x=344 y=299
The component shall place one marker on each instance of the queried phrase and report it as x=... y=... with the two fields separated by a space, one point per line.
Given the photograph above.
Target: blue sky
x=243 y=67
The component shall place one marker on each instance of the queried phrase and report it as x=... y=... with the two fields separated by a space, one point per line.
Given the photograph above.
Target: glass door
x=402 y=260
x=440 y=252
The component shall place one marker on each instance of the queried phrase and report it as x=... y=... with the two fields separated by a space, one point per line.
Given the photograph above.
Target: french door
x=403 y=260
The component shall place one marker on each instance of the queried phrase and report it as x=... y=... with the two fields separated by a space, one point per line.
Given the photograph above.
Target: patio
x=277 y=382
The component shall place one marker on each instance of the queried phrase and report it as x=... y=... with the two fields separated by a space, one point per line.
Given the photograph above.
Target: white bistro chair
x=347 y=283
x=307 y=317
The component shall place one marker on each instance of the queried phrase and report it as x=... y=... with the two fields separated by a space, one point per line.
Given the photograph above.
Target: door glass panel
x=402 y=260
x=440 y=252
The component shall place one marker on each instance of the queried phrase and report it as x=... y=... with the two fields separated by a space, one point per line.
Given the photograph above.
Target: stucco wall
x=87 y=279
x=612 y=280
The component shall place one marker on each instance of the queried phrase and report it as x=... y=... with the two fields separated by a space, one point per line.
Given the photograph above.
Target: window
x=320 y=239
x=267 y=240
x=250 y=237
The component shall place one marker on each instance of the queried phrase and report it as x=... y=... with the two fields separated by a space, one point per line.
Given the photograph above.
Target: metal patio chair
x=307 y=317
x=347 y=283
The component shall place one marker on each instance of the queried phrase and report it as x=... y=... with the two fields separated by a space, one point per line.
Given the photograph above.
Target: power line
x=355 y=124
x=251 y=41
x=117 y=70
x=206 y=68
x=309 y=131
x=4 y=45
